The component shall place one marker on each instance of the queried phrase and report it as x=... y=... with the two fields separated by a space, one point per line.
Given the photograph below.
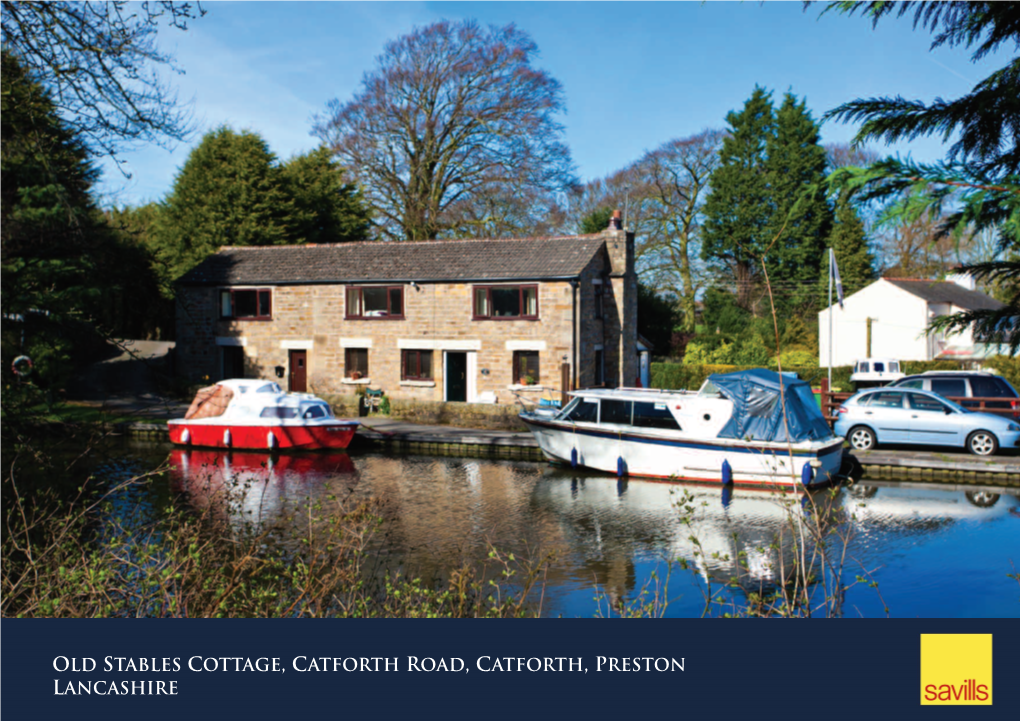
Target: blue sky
x=635 y=74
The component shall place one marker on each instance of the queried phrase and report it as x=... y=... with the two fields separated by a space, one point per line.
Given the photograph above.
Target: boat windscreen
x=710 y=390
x=316 y=411
x=586 y=411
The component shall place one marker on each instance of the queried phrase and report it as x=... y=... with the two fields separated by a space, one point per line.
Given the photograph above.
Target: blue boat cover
x=758 y=413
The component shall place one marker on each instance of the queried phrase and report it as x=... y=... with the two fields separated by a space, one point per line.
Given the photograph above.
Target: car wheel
x=982 y=499
x=982 y=443
x=862 y=438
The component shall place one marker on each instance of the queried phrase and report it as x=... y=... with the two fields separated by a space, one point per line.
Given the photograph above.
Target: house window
x=356 y=363
x=600 y=368
x=253 y=304
x=375 y=302
x=506 y=302
x=599 y=309
x=526 y=366
x=416 y=365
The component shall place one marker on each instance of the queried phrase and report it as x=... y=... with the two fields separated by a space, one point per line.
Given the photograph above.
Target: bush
x=1006 y=366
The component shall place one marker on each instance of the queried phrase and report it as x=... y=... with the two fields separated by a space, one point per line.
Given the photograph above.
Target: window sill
x=418 y=384
x=518 y=387
x=355 y=382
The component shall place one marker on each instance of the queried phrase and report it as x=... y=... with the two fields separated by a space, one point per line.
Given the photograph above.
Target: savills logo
x=956 y=669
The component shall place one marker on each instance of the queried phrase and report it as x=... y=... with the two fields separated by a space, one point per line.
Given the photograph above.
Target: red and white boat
x=257 y=415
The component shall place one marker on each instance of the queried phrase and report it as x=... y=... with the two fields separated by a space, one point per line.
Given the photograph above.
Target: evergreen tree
x=596 y=221
x=47 y=226
x=980 y=178
x=739 y=211
x=801 y=217
x=229 y=192
x=853 y=256
x=328 y=208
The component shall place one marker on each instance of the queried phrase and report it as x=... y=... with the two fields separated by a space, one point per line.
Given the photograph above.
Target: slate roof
x=376 y=262
x=945 y=291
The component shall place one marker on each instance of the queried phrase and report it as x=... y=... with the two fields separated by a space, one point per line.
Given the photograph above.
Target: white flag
x=834 y=273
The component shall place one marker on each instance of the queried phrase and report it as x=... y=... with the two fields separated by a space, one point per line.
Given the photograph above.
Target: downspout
x=574 y=283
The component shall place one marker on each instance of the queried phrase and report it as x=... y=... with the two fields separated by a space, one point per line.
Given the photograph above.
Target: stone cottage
x=451 y=320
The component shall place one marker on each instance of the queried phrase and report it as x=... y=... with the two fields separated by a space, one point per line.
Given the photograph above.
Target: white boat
x=874 y=372
x=732 y=430
x=245 y=413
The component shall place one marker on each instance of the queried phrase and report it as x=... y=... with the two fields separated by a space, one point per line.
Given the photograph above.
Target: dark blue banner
x=162 y=669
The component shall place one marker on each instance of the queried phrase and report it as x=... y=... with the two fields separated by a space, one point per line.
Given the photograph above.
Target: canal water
x=921 y=551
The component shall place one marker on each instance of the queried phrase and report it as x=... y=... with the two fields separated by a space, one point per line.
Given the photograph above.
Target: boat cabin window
x=316 y=411
x=269 y=388
x=863 y=368
x=654 y=415
x=894 y=367
x=616 y=411
x=879 y=367
x=586 y=410
x=278 y=412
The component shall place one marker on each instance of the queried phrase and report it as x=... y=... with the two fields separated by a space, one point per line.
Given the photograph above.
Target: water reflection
x=253 y=490
x=440 y=513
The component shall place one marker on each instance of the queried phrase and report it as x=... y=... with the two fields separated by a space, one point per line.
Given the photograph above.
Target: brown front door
x=297 y=381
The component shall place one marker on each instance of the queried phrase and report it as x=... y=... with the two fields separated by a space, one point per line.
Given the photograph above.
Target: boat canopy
x=758 y=413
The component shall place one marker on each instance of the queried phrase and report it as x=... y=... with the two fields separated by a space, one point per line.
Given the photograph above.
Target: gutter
x=369 y=281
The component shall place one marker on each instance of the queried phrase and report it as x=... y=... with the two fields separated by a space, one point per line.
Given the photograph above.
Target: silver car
x=894 y=415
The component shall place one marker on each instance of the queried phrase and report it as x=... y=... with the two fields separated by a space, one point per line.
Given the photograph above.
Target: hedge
x=682 y=376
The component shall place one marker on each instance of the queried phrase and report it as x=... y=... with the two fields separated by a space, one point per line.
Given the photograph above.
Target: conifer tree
x=229 y=192
x=801 y=217
x=980 y=178
x=738 y=213
x=854 y=258
x=328 y=208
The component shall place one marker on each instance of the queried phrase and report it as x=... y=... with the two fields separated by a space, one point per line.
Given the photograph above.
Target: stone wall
x=483 y=416
x=438 y=317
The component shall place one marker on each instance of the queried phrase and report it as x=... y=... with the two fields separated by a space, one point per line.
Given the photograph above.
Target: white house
x=889 y=317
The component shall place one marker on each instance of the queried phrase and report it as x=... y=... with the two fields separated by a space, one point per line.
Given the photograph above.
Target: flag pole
x=830 y=318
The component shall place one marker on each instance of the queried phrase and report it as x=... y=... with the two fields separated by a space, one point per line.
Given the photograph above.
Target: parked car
x=902 y=415
x=967 y=384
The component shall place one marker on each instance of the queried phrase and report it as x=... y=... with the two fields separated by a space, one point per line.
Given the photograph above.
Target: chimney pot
x=616 y=222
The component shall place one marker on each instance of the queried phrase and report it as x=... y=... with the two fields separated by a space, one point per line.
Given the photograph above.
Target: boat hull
x=335 y=435
x=660 y=456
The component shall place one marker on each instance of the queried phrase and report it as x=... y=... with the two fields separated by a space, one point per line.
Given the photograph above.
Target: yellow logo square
x=956 y=669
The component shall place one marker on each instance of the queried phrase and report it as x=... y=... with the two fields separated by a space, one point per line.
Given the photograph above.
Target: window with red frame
x=506 y=302
x=416 y=365
x=247 y=303
x=375 y=302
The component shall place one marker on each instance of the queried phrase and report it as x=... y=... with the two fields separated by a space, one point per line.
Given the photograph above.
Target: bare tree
x=844 y=155
x=675 y=186
x=99 y=61
x=452 y=115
